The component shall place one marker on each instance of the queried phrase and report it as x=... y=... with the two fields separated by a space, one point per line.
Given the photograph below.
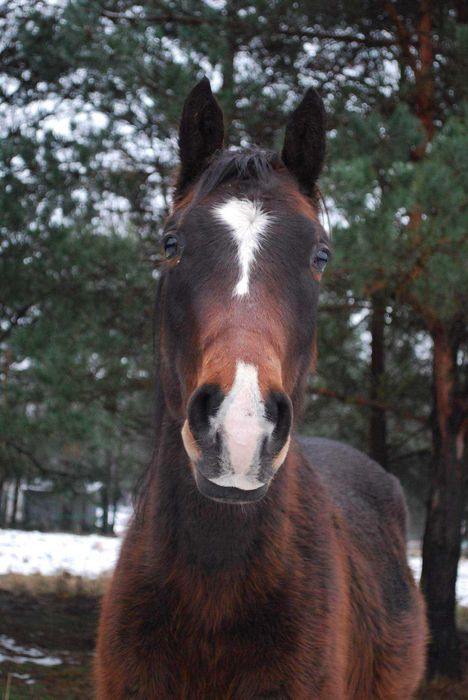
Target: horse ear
x=201 y=133
x=304 y=143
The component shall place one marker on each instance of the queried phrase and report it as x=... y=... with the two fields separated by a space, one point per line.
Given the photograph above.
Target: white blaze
x=248 y=224
x=243 y=425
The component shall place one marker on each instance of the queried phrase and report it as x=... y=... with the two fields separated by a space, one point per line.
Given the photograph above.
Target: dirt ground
x=54 y=622
x=446 y=690
x=46 y=628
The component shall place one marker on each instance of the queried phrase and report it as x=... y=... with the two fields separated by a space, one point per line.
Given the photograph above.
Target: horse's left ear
x=201 y=134
x=304 y=143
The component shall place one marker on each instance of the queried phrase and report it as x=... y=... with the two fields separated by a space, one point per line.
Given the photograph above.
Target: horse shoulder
x=357 y=485
x=386 y=609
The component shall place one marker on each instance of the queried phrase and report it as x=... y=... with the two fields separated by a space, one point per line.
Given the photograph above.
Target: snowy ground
x=52 y=553
x=462 y=579
x=91 y=556
x=24 y=655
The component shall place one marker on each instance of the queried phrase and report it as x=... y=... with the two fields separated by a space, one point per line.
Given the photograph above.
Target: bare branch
x=36 y=463
x=364 y=401
x=346 y=38
x=191 y=20
x=196 y=20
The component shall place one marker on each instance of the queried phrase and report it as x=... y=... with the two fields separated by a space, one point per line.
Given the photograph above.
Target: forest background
x=91 y=92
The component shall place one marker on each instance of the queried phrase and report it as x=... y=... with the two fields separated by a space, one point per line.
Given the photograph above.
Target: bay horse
x=257 y=565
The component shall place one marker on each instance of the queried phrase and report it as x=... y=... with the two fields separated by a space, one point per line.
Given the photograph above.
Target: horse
x=257 y=564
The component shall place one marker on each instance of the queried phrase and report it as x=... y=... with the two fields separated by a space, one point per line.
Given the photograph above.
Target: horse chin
x=228 y=494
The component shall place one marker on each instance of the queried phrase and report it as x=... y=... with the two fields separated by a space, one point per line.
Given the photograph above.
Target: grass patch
x=25 y=693
x=462 y=618
x=59 y=683
x=57 y=616
x=62 y=584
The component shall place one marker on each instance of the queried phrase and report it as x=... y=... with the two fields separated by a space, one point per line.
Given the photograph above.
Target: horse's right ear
x=304 y=143
x=201 y=134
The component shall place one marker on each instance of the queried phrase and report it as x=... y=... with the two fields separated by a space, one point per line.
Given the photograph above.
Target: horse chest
x=228 y=665
x=269 y=650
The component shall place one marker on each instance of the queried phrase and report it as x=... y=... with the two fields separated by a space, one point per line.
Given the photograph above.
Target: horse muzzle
x=228 y=494
x=236 y=442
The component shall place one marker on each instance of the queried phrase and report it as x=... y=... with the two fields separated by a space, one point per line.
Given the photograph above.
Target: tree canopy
x=91 y=93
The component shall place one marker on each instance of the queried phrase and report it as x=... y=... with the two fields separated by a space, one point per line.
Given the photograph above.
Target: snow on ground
x=24 y=655
x=462 y=578
x=50 y=553
x=91 y=556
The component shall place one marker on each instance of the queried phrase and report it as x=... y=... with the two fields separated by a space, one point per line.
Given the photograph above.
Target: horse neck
x=185 y=529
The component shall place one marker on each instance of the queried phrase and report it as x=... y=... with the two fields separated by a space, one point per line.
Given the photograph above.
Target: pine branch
x=364 y=401
x=37 y=464
x=344 y=307
x=345 y=38
x=14 y=318
x=190 y=20
x=196 y=20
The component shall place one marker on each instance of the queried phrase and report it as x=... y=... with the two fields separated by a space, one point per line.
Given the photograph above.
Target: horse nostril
x=203 y=404
x=279 y=412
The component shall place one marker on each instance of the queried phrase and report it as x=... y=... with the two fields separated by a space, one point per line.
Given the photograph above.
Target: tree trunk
x=14 y=510
x=378 y=416
x=2 y=504
x=105 y=508
x=114 y=513
x=442 y=537
x=107 y=492
x=227 y=91
x=112 y=491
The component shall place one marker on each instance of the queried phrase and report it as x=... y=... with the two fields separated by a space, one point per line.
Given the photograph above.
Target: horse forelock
x=250 y=171
x=247 y=165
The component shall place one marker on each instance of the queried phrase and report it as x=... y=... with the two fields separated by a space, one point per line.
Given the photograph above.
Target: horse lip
x=228 y=494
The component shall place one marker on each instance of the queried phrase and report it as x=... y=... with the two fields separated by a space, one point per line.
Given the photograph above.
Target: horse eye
x=171 y=247
x=320 y=259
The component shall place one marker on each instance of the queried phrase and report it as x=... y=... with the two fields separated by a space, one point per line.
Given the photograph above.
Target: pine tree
x=89 y=143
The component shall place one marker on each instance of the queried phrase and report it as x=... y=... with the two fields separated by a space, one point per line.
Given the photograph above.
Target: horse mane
x=143 y=479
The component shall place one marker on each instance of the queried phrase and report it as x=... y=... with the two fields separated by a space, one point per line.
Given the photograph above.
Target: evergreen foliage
x=91 y=93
